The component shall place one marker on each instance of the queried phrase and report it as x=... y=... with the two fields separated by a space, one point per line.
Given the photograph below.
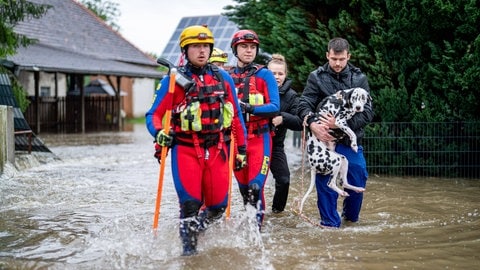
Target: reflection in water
x=93 y=209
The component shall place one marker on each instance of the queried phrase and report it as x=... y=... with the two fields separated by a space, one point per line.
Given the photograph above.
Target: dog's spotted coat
x=322 y=157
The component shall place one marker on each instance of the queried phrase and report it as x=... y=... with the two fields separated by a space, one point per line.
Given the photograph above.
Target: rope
x=296 y=204
x=307 y=219
x=304 y=132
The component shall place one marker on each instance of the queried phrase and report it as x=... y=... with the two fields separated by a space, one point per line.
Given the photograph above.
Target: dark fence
x=63 y=114
x=423 y=149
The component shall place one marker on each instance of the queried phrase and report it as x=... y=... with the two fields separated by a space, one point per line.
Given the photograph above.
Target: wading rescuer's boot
x=252 y=197
x=188 y=234
x=209 y=216
x=251 y=194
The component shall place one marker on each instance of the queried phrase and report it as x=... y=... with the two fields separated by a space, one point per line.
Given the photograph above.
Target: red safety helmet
x=244 y=36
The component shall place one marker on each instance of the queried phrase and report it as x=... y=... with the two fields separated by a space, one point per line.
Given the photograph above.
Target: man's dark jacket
x=323 y=82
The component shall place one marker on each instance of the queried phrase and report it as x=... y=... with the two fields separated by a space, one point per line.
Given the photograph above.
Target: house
x=74 y=47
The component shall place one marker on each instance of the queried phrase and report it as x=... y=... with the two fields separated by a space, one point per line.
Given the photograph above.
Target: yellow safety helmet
x=196 y=34
x=218 y=56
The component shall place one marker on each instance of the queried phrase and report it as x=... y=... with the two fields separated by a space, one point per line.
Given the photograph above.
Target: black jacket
x=324 y=82
x=288 y=110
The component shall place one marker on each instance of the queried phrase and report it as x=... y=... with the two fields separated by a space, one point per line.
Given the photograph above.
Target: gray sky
x=149 y=24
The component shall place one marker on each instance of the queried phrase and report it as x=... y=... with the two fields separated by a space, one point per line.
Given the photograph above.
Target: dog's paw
x=358 y=189
x=354 y=147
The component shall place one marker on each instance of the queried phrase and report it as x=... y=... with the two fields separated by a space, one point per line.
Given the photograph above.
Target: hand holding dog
x=328 y=120
x=321 y=132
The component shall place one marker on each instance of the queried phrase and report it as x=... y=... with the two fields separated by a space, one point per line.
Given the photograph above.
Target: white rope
x=296 y=204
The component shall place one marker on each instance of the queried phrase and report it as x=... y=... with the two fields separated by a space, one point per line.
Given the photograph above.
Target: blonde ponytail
x=279 y=59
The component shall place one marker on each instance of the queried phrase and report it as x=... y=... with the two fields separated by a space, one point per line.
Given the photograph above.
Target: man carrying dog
x=337 y=74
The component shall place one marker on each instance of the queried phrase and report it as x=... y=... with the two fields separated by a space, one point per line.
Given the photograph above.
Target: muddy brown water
x=92 y=208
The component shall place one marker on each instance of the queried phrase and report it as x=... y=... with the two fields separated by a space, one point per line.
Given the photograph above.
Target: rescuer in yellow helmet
x=219 y=58
x=204 y=114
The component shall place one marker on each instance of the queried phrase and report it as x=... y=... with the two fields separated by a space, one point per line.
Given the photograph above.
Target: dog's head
x=358 y=97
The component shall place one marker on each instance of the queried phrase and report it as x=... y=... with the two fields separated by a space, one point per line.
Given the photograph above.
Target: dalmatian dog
x=322 y=156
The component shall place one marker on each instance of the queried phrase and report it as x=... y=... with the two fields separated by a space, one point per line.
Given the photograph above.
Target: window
x=45 y=91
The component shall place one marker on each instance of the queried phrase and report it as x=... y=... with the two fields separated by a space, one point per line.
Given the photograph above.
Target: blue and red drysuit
x=199 y=158
x=256 y=86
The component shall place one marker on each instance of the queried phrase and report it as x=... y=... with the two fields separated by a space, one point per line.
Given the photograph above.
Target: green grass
x=138 y=120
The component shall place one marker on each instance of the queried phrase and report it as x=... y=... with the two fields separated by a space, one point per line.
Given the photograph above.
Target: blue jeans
x=327 y=198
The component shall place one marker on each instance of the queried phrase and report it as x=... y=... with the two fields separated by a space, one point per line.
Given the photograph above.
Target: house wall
x=47 y=83
x=144 y=88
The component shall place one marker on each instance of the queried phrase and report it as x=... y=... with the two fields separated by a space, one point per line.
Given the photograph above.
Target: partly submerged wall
x=7 y=138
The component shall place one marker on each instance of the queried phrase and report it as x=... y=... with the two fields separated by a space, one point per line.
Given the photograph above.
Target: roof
x=222 y=29
x=70 y=38
x=52 y=59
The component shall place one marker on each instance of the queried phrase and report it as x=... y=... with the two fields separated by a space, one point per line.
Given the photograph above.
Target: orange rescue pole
x=231 y=160
x=166 y=127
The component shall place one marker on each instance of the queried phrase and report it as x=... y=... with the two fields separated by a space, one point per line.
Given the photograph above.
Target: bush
x=21 y=96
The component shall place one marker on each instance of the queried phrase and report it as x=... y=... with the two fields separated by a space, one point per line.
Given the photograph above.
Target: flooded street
x=93 y=206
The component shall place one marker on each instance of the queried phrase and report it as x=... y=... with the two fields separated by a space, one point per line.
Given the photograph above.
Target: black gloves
x=246 y=107
x=158 y=153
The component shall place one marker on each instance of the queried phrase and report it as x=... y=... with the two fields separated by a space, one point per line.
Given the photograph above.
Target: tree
x=11 y=13
x=300 y=30
x=436 y=49
x=421 y=57
x=106 y=10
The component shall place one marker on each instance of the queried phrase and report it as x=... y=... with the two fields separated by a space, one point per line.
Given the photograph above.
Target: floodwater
x=93 y=206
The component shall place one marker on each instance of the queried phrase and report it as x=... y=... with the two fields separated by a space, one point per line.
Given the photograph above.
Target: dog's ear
x=365 y=93
x=339 y=94
x=347 y=94
x=369 y=97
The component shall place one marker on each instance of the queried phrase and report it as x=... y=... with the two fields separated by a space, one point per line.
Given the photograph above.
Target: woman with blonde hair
x=286 y=119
